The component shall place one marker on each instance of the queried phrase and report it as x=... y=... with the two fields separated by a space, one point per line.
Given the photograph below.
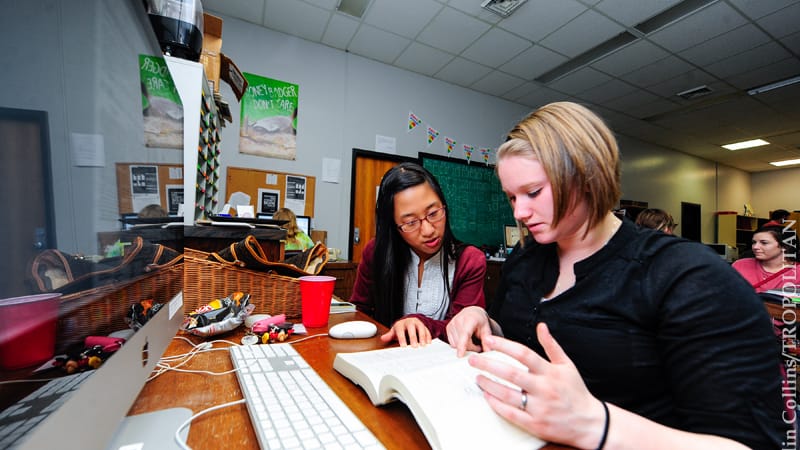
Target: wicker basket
x=206 y=280
x=102 y=310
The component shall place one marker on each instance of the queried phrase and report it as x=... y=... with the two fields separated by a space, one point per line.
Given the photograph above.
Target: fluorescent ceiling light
x=788 y=162
x=746 y=144
x=775 y=85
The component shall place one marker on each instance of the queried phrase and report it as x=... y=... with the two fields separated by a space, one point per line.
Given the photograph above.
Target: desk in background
x=201 y=237
x=230 y=427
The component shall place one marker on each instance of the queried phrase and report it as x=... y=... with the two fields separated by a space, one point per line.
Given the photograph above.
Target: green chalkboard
x=477 y=208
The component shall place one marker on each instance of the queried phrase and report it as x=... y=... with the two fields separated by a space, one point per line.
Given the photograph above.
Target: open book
x=440 y=390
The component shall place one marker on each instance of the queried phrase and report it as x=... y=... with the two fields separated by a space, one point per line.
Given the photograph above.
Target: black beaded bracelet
x=605 y=428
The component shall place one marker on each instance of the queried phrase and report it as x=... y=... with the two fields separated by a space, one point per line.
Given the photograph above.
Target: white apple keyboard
x=353 y=329
x=291 y=406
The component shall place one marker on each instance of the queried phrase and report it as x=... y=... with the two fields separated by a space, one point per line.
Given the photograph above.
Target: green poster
x=161 y=105
x=269 y=118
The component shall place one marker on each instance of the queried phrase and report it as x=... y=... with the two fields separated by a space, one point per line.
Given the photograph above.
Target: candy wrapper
x=219 y=316
x=141 y=312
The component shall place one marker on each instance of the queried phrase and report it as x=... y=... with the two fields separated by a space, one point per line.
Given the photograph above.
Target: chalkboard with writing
x=478 y=209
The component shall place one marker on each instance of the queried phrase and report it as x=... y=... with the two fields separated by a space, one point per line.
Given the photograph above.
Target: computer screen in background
x=304 y=223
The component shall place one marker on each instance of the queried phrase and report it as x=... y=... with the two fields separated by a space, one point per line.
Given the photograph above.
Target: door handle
x=356 y=235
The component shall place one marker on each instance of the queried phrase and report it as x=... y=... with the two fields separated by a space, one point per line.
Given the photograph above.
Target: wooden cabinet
x=345 y=274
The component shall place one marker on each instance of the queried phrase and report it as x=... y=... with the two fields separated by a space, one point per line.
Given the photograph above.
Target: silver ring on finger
x=523 y=401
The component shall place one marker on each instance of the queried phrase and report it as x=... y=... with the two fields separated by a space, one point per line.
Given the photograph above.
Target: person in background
x=773 y=265
x=152 y=211
x=296 y=239
x=632 y=339
x=779 y=215
x=657 y=219
x=415 y=275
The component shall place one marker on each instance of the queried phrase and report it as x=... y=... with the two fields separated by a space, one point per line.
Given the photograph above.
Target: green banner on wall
x=269 y=118
x=161 y=105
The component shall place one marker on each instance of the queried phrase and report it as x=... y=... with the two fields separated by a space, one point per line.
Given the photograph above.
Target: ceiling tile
x=406 y=18
x=579 y=81
x=759 y=8
x=474 y=9
x=658 y=72
x=533 y=62
x=783 y=22
x=541 y=97
x=635 y=99
x=452 y=31
x=329 y=5
x=749 y=60
x=602 y=93
x=536 y=19
x=423 y=59
x=683 y=82
x=249 y=10
x=733 y=42
x=340 y=31
x=630 y=58
x=780 y=70
x=584 y=32
x=792 y=42
x=377 y=44
x=297 y=19
x=521 y=90
x=495 y=48
x=698 y=27
x=632 y=13
x=496 y=83
x=462 y=72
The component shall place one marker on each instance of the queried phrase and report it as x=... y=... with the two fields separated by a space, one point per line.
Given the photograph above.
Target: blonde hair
x=291 y=227
x=578 y=153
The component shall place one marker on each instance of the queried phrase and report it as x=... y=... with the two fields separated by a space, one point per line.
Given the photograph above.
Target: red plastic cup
x=28 y=330
x=315 y=294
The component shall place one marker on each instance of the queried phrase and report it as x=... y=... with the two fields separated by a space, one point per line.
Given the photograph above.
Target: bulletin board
x=168 y=178
x=478 y=210
x=257 y=183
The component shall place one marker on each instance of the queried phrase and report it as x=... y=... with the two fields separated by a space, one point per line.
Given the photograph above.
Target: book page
x=370 y=367
x=449 y=407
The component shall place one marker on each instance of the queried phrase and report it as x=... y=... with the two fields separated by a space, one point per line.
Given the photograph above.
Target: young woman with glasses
x=414 y=276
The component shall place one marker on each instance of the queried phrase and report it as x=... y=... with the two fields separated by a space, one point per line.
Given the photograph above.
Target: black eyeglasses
x=432 y=217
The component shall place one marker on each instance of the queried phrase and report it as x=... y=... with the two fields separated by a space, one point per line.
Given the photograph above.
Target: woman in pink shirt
x=773 y=266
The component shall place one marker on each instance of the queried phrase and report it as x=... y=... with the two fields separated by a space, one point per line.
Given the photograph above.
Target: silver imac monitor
x=72 y=110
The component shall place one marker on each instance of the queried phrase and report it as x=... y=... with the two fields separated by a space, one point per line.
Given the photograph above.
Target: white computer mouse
x=354 y=329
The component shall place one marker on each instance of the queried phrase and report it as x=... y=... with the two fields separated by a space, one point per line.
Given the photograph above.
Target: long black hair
x=392 y=256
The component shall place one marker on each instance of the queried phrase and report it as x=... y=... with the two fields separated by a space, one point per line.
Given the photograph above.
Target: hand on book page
x=440 y=391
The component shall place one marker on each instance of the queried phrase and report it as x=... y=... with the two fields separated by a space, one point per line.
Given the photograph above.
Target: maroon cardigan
x=467 y=288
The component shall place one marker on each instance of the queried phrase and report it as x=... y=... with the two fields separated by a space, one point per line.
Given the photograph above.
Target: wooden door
x=27 y=226
x=367 y=170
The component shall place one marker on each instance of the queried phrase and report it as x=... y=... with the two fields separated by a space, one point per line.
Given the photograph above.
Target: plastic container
x=315 y=295
x=28 y=330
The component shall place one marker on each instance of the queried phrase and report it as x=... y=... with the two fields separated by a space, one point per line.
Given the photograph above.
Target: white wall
x=779 y=189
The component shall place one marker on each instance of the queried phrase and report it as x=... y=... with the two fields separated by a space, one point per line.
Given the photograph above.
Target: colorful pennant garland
x=468 y=152
x=413 y=121
x=449 y=144
x=432 y=135
x=485 y=152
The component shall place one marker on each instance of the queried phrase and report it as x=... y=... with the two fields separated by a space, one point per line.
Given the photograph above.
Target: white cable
x=308 y=337
x=180 y=441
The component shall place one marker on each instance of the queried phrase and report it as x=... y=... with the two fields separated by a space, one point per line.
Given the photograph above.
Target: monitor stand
x=151 y=430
